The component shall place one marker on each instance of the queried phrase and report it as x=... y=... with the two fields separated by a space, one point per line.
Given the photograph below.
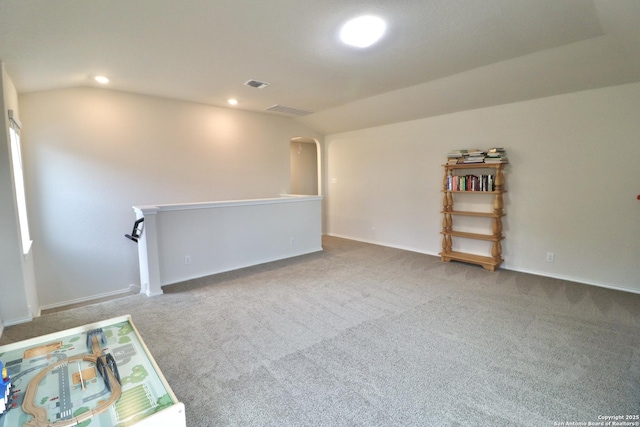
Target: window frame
x=18 y=182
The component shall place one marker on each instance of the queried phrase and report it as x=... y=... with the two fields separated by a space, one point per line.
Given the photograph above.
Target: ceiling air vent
x=288 y=110
x=256 y=83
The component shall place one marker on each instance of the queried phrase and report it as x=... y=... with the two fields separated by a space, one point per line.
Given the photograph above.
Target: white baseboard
x=246 y=265
x=573 y=279
x=504 y=267
x=18 y=321
x=386 y=245
x=90 y=298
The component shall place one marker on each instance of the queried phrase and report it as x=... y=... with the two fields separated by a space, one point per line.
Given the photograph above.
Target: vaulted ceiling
x=437 y=57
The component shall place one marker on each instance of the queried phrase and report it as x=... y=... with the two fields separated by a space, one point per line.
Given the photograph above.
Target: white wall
x=572 y=183
x=91 y=154
x=17 y=286
x=304 y=168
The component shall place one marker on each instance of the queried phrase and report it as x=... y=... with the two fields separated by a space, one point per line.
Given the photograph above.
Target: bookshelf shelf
x=474 y=191
x=490 y=181
x=488 y=263
x=478 y=214
x=477 y=236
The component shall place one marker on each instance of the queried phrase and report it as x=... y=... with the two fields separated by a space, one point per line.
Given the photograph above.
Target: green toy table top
x=64 y=381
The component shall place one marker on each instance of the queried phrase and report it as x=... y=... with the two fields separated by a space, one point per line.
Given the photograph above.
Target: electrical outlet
x=187 y=259
x=550 y=256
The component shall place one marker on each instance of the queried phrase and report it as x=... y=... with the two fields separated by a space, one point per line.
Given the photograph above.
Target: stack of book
x=492 y=155
x=474 y=156
x=454 y=156
x=496 y=155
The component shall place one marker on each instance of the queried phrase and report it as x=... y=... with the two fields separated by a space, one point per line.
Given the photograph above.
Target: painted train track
x=106 y=366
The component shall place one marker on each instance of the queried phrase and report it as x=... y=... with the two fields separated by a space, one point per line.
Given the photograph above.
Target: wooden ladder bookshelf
x=495 y=188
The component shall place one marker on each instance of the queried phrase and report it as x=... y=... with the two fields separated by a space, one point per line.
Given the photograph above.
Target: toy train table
x=98 y=375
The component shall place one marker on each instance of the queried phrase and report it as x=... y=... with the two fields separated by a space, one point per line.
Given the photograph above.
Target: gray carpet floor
x=363 y=335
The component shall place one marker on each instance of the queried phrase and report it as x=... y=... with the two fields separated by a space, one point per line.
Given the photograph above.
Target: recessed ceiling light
x=232 y=101
x=101 y=79
x=363 y=31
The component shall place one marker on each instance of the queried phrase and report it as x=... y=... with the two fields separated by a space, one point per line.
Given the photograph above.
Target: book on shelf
x=470 y=183
x=494 y=160
x=494 y=155
x=475 y=152
x=474 y=159
x=456 y=153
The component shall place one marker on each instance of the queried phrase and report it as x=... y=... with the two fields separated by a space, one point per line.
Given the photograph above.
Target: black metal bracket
x=137 y=230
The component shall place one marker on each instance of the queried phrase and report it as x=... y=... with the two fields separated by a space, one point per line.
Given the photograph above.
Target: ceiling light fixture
x=363 y=31
x=101 y=79
x=232 y=101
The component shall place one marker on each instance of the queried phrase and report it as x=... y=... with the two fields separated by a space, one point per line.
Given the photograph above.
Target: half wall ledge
x=190 y=240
